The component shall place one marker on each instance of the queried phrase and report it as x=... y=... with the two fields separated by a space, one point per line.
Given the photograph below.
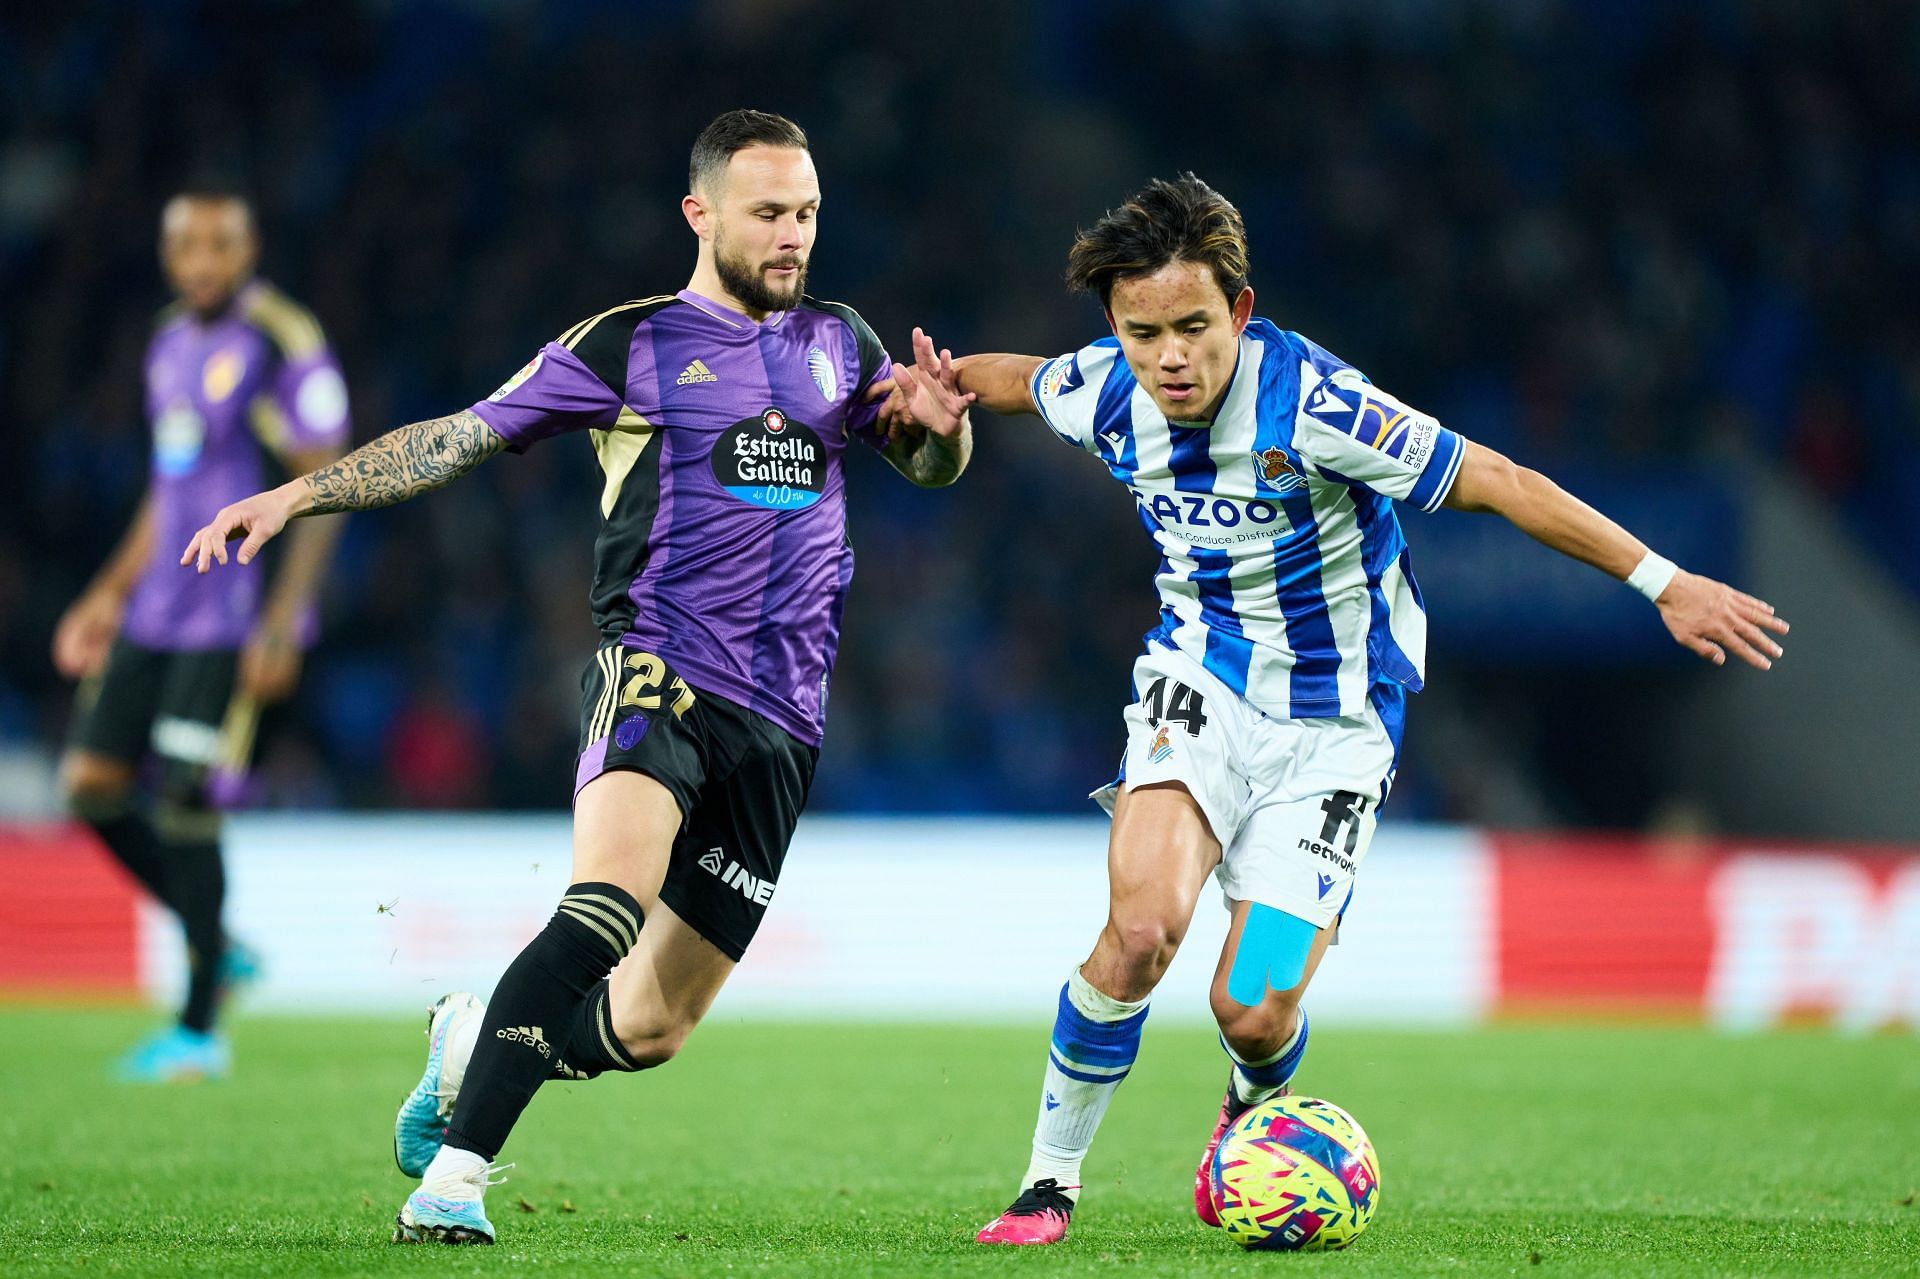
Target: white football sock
x=451 y=1174
x=1095 y=1040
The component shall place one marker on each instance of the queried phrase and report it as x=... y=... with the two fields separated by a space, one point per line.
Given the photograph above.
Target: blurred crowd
x=1618 y=230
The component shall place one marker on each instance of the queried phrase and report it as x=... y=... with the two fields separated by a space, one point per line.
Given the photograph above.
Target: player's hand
x=1713 y=619
x=258 y=519
x=270 y=663
x=894 y=418
x=931 y=390
x=85 y=633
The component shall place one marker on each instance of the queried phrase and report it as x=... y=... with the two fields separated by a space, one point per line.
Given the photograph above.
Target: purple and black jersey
x=725 y=547
x=219 y=393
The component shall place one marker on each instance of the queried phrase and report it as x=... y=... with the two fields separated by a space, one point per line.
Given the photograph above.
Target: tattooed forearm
x=403 y=463
x=930 y=460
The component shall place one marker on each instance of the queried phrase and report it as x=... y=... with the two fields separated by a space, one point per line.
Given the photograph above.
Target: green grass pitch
x=854 y=1150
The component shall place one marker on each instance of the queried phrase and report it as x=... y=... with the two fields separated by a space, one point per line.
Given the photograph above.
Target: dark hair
x=736 y=131
x=1184 y=220
x=218 y=187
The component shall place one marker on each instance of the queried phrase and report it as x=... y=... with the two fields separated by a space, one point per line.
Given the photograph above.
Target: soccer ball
x=1295 y=1174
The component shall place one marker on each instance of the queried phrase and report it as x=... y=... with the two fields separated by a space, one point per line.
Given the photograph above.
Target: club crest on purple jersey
x=221 y=373
x=772 y=460
x=822 y=370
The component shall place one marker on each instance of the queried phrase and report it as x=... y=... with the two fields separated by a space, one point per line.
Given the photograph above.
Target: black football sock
x=190 y=838
x=592 y=1049
x=130 y=837
x=543 y=989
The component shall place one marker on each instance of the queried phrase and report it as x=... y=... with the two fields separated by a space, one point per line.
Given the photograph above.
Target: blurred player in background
x=720 y=415
x=1270 y=700
x=176 y=667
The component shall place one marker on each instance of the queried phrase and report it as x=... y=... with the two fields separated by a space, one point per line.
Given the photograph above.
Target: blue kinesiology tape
x=1273 y=953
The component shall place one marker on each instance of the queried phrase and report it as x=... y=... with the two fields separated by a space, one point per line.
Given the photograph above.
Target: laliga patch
x=822 y=370
x=1375 y=419
x=771 y=461
x=1061 y=377
x=321 y=400
x=512 y=384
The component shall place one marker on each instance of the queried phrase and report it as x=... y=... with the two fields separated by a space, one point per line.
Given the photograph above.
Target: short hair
x=1184 y=220
x=736 y=131
x=215 y=186
x=216 y=189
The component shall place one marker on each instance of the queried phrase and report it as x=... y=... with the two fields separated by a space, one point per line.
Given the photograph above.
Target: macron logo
x=1326 y=883
x=737 y=877
x=696 y=372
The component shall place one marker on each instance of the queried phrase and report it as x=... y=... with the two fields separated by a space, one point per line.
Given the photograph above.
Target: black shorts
x=739 y=778
x=178 y=706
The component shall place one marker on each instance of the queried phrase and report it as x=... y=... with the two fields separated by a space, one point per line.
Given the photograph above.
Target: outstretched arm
x=929 y=433
x=401 y=464
x=1708 y=617
x=1001 y=383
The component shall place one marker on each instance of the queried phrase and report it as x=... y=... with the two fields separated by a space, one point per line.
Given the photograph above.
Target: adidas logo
x=528 y=1035
x=696 y=372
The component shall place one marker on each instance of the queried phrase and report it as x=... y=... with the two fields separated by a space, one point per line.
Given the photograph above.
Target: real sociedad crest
x=1275 y=470
x=822 y=369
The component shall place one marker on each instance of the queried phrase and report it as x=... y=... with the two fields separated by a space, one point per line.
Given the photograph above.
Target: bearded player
x=1269 y=703
x=173 y=667
x=720 y=415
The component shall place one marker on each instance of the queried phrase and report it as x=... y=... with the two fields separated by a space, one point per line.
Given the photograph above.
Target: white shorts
x=1293 y=802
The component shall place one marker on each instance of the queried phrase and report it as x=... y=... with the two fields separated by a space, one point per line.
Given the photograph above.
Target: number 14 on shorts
x=1168 y=699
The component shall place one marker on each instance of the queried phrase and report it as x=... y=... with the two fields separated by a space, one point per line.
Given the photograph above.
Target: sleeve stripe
x=1447 y=474
x=573 y=335
x=1040 y=401
x=872 y=350
x=290 y=326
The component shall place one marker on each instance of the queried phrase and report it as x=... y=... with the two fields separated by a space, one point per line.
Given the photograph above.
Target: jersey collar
x=728 y=315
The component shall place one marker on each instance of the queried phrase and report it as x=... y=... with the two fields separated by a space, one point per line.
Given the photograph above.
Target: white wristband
x=1651 y=575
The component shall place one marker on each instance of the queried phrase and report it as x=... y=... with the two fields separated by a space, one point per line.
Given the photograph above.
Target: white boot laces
x=468 y=1185
x=489 y=1175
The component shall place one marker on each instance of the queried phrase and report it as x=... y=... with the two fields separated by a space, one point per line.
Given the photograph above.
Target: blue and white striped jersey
x=1283 y=569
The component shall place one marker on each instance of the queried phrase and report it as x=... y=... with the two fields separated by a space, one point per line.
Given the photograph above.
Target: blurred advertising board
x=967 y=919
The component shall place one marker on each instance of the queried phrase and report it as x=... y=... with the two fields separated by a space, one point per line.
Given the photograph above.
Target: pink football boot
x=1231 y=1108
x=1039 y=1215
